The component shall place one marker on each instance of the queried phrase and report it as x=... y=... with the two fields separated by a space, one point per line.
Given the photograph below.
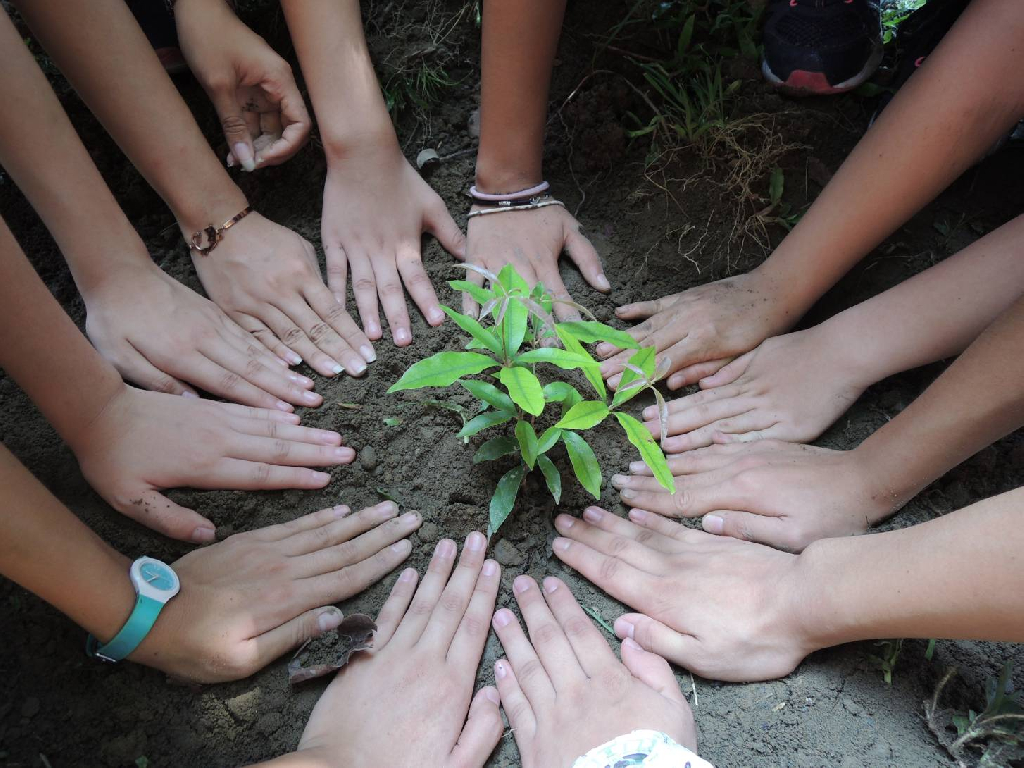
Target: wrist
x=821 y=611
x=880 y=469
x=849 y=351
x=202 y=211
x=109 y=389
x=373 y=137
x=497 y=179
x=116 y=599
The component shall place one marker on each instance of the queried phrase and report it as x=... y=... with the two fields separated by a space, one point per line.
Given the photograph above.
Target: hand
x=254 y=596
x=261 y=111
x=376 y=207
x=781 y=494
x=268 y=281
x=159 y=335
x=532 y=241
x=721 y=608
x=144 y=442
x=565 y=692
x=405 y=702
x=791 y=388
x=700 y=330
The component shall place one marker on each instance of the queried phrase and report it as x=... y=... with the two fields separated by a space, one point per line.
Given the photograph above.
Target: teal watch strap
x=132 y=633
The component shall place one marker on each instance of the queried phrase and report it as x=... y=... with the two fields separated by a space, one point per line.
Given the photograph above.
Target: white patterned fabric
x=645 y=749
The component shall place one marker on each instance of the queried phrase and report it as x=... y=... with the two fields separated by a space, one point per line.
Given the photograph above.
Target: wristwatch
x=155 y=583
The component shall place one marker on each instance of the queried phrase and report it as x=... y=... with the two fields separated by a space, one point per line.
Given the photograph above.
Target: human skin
x=264 y=276
x=155 y=331
x=901 y=164
x=376 y=206
x=132 y=444
x=519 y=41
x=739 y=611
x=221 y=625
x=405 y=702
x=789 y=495
x=793 y=387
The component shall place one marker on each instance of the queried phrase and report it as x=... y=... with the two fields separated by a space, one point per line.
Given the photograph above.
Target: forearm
x=940 y=123
x=45 y=157
x=937 y=313
x=519 y=40
x=956 y=577
x=976 y=401
x=347 y=100
x=43 y=351
x=133 y=97
x=51 y=553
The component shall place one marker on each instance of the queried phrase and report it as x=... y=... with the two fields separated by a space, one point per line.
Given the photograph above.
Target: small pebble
x=368 y=458
x=507 y=554
x=428 y=532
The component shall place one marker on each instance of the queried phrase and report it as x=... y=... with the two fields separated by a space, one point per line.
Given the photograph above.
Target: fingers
x=416 y=281
x=287 y=453
x=481 y=733
x=622 y=546
x=750 y=527
x=232 y=375
x=469 y=640
x=731 y=425
x=245 y=413
x=657 y=638
x=156 y=511
x=364 y=286
x=394 y=608
x=586 y=641
x=324 y=304
x=267 y=338
x=293 y=118
x=137 y=369
x=547 y=274
x=697 y=372
x=276 y=642
x=552 y=646
x=351 y=580
x=652 y=670
x=529 y=673
x=282 y=326
x=233 y=124
x=689 y=500
x=332 y=352
x=283 y=431
x=582 y=252
x=641 y=310
x=451 y=607
x=616 y=577
x=308 y=522
x=411 y=628
x=727 y=374
x=243 y=475
x=469 y=304
x=516 y=704
x=335 y=530
x=354 y=553
x=440 y=224
x=337 y=271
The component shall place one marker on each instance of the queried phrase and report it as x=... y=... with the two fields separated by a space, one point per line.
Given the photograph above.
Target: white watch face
x=154 y=579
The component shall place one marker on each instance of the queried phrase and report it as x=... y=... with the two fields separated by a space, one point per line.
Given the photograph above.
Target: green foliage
x=516 y=333
x=887 y=657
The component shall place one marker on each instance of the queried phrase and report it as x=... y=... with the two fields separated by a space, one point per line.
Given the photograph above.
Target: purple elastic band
x=520 y=195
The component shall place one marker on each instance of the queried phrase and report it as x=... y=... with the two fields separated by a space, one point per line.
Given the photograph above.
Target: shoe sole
x=803 y=83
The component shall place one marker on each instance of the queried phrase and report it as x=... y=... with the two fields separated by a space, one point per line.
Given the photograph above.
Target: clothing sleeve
x=644 y=749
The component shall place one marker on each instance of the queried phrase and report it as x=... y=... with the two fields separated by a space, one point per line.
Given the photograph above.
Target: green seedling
x=599 y=619
x=887 y=657
x=518 y=334
x=392 y=421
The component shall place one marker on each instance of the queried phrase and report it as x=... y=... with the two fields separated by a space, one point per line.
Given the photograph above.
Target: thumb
x=482 y=732
x=236 y=132
x=585 y=256
x=750 y=527
x=655 y=637
x=651 y=670
x=727 y=374
x=276 y=642
x=154 y=510
x=441 y=225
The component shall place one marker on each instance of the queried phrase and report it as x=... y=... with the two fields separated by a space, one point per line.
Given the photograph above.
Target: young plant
x=522 y=334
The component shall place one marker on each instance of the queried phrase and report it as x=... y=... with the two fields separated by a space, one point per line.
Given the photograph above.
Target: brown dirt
x=658 y=233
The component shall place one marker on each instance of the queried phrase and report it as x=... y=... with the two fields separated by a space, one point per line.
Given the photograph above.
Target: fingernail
x=492 y=695
x=311 y=398
x=435 y=316
x=624 y=628
x=618 y=480
x=322 y=477
x=713 y=524
x=341 y=510
x=281 y=360
x=293 y=358
x=402 y=336
x=410 y=517
x=243 y=154
x=500 y=670
x=336 y=368
x=650 y=413
x=592 y=514
x=328 y=619
x=446 y=549
x=281 y=405
x=367 y=352
x=344 y=453
x=564 y=522
x=629 y=642
x=298 y=378
x=490 y=568
x=636 y=466
x=501 y=618
x=627 y=493
x=387 y=509
x=602 y=282
x=550 y=584
x=521 y=584
x=357 y=366
x=637 y=515
x=475 y=541
x=203 y=535
x=372 y=330
x=230 y=161
x=409 y=574
x=189 y=393
x=560 y=544
x=401 y=546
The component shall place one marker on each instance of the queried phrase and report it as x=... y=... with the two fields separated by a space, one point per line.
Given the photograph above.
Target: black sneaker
x=821 y=47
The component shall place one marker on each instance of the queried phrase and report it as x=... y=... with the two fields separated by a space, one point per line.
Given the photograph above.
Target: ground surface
x=61 y=709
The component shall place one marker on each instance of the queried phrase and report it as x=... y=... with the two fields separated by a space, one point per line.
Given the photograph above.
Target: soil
x=659 y=230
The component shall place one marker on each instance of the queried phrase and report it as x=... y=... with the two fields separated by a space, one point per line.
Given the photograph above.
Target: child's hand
x=406 y=701
x=163 y=336
x=532 y=241
x=721 y=608
x=376 y=208
x=145 y=442
x=791 y=387
x=700 y=330
x=565 y=692
x=781 y=494
x=267 y=279
x=247 y=600
x=261 y=111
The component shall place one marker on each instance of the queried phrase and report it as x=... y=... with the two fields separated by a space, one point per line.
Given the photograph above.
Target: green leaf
x=568 y=361
x=524 y=388
x=495 y=448
x=584 y=462
x=490 y=394
x=650 y=452
x=551 y=477
x=590 y=331
x=685 y=35
x=775 y=185
x=584 y=415
x=593 y=374
x=484 y=421
x=527 y=442
x=392 y=421
x=560 y=392
x=511 y=280
x=513 y=326
x=478 y=292
x=474 y=329
x=548 y=439
x=442 y=370
x=504 y=497
x=644 y=360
